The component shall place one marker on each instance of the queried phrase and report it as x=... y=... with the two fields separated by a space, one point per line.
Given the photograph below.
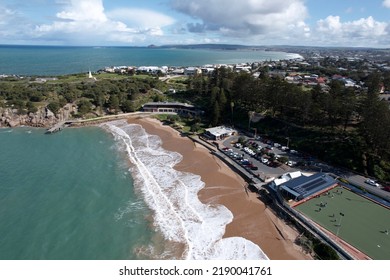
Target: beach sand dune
x=252 y=219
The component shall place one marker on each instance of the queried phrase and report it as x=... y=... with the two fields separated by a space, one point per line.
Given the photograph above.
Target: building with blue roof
x=305 y=186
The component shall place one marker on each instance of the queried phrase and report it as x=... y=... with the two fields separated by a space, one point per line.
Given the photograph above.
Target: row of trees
x=99 y=96
x=354 y=119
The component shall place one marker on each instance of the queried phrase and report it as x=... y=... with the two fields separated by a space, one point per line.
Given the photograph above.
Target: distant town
x=316 y=66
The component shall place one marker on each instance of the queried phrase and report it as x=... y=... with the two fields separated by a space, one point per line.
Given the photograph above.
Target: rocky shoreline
x=43 y=117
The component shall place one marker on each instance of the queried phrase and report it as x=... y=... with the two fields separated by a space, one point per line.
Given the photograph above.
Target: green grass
x=363 y=224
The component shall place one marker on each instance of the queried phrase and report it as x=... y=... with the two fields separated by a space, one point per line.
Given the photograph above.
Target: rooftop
x=220 y=130
x=304 y=186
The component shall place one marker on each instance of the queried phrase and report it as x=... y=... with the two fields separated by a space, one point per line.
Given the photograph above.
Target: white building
x=220 y=132
x=192 y=71
x=285 y=178
x=149 y=69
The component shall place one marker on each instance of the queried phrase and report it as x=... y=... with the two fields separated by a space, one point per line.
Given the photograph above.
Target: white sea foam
x=172 y=195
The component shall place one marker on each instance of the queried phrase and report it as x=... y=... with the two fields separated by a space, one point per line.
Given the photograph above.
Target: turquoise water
x=71 y=195
x=44 y=60
x=68 y=196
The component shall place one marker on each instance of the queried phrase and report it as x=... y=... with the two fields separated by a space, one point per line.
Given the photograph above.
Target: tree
x=173 y=118
x=53 y=106
x=195 y=127
x=215 y=114
x=324 y=252
x=69 y=92
x=214 y=95
x=222 y=100
x=84 y=106
x=100 y=100
x=374 y=127
x=317 y=112
x=386 y=80
x=128 y=106
x=114 y=103
x=20 y=105
x=246 y=91
x=348 y=102
x=31 y=108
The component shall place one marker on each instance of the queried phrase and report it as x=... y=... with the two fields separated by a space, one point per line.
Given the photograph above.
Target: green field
x=365 y=224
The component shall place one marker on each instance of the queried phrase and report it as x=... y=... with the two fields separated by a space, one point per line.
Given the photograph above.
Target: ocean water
x=49 y=60
x=68 y=196
x=107 y=192
x=172 y=195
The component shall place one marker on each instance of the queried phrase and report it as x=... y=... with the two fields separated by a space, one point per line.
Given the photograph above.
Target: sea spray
x=172 y=195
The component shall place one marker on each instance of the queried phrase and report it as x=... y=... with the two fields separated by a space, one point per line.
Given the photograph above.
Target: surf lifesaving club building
x=172 y=107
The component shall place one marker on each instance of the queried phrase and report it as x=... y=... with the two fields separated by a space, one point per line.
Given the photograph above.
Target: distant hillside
x=269 y=47
x=213 y=46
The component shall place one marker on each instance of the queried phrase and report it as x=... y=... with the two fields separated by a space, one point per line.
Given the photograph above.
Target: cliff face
x=42 y=118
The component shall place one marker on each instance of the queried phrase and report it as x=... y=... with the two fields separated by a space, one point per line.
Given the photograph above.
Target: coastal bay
x=252 y=219
x=56 y=60
x=246 y=228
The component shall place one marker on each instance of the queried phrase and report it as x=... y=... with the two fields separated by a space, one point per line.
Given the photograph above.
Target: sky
x=353 y=23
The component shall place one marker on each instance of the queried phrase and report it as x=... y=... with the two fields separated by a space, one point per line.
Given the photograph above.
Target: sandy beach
x=252 y=219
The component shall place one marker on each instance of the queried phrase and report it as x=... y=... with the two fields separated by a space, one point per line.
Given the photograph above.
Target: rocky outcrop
x=42 y=118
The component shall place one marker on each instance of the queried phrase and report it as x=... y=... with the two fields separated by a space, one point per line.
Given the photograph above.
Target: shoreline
x=252 y=219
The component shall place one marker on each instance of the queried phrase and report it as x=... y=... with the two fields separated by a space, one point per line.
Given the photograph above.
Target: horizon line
x=200 y=45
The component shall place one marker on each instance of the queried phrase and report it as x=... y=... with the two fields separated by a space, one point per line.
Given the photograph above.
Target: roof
x=287 y=177
x=174 y=104
x=304 y=186
x=220 y=130
x=295 y=174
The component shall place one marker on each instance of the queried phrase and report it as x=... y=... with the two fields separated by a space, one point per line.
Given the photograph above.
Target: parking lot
x=261 y=158
x=258 y=156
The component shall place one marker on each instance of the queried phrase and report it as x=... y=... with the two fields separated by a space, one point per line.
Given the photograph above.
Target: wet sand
x=252 y=219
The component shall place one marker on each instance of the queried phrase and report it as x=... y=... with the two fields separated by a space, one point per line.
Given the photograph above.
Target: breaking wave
x=172 y=195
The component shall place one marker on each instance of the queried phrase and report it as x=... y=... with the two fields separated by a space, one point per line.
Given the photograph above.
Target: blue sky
x=359 y=23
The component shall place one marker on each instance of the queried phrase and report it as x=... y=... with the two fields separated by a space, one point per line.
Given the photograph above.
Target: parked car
x=372 y=182
x=254 y=167
x=291 y=163
x=274 y=164
x=264 y=160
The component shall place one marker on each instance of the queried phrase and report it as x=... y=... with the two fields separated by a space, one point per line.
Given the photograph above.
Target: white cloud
x=12 y=24
x=84 y=10
x=257 y=22
x=141 y=17
x=87 y=22
x=5 y=15
x=244 y=17
x=363 y=32
x=278 y=22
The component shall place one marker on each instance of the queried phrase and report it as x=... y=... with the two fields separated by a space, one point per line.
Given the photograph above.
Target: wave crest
x=173 y=196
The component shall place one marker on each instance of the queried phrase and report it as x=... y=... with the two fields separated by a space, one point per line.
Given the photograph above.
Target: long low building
x=304 y=186
x=172 y=107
